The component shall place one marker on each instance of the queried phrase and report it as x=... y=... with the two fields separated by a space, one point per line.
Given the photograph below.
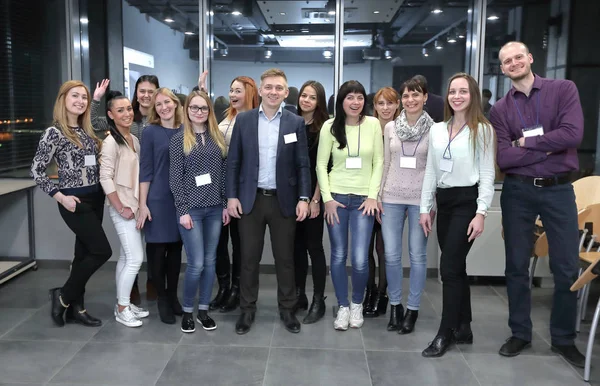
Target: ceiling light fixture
x=327 y=54
x=168 y=14
x=268 y=53
x=388 y=54
x=375 y=12
x=236 y=13
x=425 y=52
x=437 y=10
x=84 y=20
x=438 y=45
x=451 y=38
x=190 y=28
x=282 y=13
x=224 y=52
x=493 y=18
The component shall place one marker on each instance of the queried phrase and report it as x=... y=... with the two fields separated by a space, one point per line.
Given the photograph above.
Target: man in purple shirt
x=539 y=125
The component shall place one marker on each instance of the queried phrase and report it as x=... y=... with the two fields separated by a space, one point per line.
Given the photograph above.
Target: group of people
x=174 y=177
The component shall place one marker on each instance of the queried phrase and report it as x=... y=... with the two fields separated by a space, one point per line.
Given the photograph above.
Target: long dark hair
x=320 y=114
x=338 y=128
x=137 y=117
x=111 y=97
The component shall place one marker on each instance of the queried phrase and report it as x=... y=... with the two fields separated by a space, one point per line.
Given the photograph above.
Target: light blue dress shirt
x=268 y=137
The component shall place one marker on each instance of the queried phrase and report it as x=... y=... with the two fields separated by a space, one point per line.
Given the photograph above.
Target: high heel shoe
x=396 y=317
x=408 y=324
x=379 y=305
x=58 y=308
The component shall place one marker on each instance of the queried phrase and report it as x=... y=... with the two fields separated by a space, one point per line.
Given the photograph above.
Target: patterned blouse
x=70 y=158
x=186 y=170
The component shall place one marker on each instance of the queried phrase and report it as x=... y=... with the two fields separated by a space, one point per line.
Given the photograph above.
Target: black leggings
x=377 y=243
x=226 y=271
x=309 y=237
x=164 y=260
x=92 y=248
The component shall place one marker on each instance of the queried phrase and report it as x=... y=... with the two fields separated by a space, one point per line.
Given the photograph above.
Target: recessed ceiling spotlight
x=375 y=12
x=493 y=17
x=236 y=13
x=282 y=13
x=437 y=10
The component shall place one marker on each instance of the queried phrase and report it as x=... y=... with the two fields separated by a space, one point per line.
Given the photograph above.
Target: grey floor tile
x=259 y=335
x=317 y=367
x=13 y=297
x=33 y=361
x=376 y=337
x=404 y=368
x=137 y=364
x=491 y=369
x=42 y=279
x=480 y=305
x=40 y=327
x=21 y=384
x=193 y=365
x=152 y=331
x=318 y=335
x=12 y=317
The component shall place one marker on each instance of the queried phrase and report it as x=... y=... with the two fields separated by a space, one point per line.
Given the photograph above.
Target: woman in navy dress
x=157 y=215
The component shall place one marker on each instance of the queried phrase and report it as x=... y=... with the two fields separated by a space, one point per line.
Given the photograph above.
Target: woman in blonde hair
x=71 y=142
x=197 y=179
x=157 y=213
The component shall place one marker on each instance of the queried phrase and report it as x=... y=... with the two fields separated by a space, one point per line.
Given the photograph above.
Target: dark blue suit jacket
x=292 y=175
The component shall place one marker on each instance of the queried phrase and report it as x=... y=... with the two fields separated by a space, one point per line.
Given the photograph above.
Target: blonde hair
x=154 y=118
x=189 y=137
x=273 y=72
x=390 y=95
x=61 y=120
x=474 y=113
x=251 y=96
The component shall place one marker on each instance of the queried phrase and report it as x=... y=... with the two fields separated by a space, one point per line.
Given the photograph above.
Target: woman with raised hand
x=157 y=214
x=243 y=96
x=460 y=176
x=312 y=106
x=119 y=176
x=71 y=142
x=197 y=179
x=405 y=144
x=349 y=191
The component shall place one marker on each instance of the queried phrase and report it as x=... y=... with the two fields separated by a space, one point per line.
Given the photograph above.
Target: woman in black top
x=312 y=106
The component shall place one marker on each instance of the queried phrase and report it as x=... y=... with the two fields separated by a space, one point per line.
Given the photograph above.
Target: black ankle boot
x=381 y=304
x=175 y=305
x=408 y=324
x=79 y=315
x=464 y=334
x=57 y=310
x=165 y=311
x=232 y=301
x=316 y=310
x=222 y=293
x=368 y=301
x=396 y=316
x=301 y=300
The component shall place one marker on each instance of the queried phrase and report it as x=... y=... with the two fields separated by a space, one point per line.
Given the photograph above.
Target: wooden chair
x=587 y=191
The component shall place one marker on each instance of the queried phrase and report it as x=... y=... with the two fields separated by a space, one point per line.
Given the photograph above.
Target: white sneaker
x=116 y=310
x=356 y=315
x=127 y=318
x=139 y=312
x=341 y=321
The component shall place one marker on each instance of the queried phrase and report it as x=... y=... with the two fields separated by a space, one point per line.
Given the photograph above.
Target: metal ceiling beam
x=415 y=20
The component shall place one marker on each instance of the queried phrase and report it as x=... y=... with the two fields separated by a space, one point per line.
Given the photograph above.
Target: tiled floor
x=34 y=352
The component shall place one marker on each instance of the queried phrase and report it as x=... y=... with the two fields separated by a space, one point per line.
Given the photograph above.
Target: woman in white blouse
x=460 y=176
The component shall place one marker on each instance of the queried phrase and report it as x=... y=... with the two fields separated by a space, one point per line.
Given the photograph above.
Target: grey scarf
x=407 y=133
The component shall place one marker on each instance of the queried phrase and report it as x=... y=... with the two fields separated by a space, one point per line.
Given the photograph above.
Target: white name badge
x=446 y=165
x=90 y=160
x=353 y=163
x=408 y=162
x=533 y=131
x=203 y=179
x=290 y=138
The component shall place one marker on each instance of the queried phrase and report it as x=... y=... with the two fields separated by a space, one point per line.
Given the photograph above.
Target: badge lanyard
x=450 y=141
x=416 y=147
x=537 y=111
x=348 y=145
x=227 y=131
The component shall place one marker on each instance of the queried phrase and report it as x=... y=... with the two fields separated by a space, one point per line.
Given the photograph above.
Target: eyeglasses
x=203 y=109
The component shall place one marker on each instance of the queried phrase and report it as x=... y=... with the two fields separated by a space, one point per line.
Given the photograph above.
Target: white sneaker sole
x=340 y=328
x=137 y=323
x=188 y=331
x=206 y=328
x=357 y=325
x=141 y=315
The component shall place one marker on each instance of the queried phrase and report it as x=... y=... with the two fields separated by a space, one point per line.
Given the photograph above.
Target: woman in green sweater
x=349 y=191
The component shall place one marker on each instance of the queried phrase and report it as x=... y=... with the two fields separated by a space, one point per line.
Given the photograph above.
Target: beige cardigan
x=120 y=171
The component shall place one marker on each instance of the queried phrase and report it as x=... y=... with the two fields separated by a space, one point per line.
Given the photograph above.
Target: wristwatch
x=483 y=213
x=316 y=201
x=305 y=199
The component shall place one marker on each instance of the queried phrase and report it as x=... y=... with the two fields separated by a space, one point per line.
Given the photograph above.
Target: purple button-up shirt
x=562 y=118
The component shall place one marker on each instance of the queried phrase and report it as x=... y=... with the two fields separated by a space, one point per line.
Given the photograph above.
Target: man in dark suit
x=268 y=183
x=435 y=103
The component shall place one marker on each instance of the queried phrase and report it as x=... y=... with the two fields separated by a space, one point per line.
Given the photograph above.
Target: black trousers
x=252 y=236
x=521 y=203
x=309 y=238
x=377 y=244
x=92 y=248
x=456 y=209
x=227 y=272
x=165 y=262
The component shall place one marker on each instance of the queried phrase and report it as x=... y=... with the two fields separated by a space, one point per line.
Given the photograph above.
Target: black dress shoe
x=79 y=315
x=244 y=322
x=217 y=302
x=408 y=324
x=165 y=311
x=513 y=347
x=438 y=347
x=571 y=354
x=57 y=310
x=290 y=322
x=301 y=300
x=396 y=317
x=316 y=310
x=464 y=334
x=232 y=301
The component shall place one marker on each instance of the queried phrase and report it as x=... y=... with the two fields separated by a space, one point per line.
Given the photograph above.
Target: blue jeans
x=392 y=228
x=200 y=245
x=360 y=227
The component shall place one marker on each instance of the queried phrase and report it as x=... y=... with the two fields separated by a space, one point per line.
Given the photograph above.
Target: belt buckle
x=535 y=182
x=267 y=193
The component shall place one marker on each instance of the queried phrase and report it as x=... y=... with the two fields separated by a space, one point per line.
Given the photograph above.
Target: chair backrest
x=587 y=191
x=590 y=215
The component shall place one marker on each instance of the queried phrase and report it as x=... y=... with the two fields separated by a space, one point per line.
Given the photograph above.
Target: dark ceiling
x=244 y=30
